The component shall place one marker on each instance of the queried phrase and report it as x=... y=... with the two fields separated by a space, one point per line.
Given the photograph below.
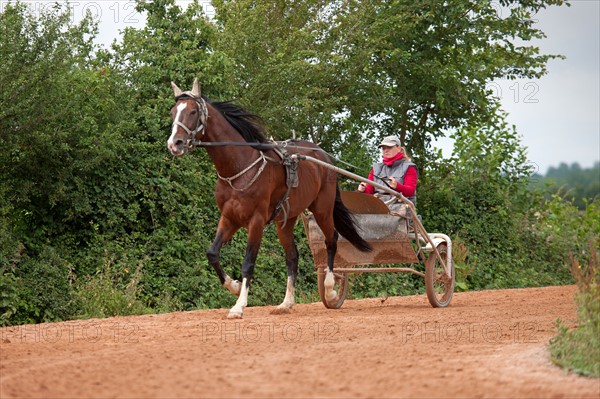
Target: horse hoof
x=235 y=315
x=329 y=281
x=233 y=286
x=279 y=310
x=236 y=287
x=330 y=296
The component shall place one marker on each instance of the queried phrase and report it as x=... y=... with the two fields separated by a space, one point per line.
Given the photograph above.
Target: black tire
x=439 y=287
x=340 y=286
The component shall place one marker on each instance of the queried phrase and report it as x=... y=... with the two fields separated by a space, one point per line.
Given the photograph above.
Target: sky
x=564 y=125
x=557 y=116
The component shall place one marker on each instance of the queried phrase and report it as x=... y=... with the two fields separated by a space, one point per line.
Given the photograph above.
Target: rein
x=192 y=142
x=271 y=146
x=279 y=147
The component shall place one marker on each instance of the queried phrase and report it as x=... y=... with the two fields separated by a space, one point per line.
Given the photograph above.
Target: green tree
x=573 y=182
x=481 y=195
x=49 y=112
x=39 y=110
x=417 y=69
x=175 y=45
x=92 y=187
x=283 y=57
x=423 y=66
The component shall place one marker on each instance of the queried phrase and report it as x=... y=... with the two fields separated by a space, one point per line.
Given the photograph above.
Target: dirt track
x=486 y=344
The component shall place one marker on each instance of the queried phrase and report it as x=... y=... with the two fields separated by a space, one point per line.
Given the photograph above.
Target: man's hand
x=362 y=187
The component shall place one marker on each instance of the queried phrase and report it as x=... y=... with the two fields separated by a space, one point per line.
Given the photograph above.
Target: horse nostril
x=179 y=143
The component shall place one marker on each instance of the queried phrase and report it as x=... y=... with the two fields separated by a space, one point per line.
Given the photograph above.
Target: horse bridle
x=191 y=141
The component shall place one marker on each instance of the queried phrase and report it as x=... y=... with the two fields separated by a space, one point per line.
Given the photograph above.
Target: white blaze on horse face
x=171 y=143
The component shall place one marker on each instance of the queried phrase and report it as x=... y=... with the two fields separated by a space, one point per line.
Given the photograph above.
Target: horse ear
x=196 y=89
x=176 y=90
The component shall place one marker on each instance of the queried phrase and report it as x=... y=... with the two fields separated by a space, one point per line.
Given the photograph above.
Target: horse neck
x=228 y=160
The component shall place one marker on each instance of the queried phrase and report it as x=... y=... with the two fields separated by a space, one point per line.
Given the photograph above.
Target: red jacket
x=410 y=178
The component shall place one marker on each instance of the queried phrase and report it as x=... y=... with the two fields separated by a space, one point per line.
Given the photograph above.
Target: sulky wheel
x=340 y=286
x=439 y=286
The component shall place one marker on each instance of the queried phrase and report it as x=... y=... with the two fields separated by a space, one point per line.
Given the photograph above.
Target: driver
x=396 y=171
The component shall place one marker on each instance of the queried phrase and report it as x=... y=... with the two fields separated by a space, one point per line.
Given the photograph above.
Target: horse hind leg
x=325 y=222
x=329 y=283
x=286 y=238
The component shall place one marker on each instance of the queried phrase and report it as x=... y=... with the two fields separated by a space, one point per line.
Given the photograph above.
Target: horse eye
x=194 y=112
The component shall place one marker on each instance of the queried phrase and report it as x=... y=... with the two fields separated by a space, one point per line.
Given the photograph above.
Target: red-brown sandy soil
x=486 y=344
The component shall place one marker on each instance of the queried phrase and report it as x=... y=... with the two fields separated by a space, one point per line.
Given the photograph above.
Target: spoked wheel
x=439 y=286
x=340 y=286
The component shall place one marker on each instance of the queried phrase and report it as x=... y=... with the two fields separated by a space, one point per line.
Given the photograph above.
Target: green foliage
x=37 y=289
x=370 y=285
x=10 y=300
x=571 y=182
x=174 y=45
x=112 y=291
x=413 y=68
x=481 y=195
x=96 y=219
x=464 y=264
x=89 y=177
x=578 y=349
x=285 y=63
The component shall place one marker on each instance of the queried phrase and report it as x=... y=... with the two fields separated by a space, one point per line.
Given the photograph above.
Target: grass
x=101 y=296
x=578 y=349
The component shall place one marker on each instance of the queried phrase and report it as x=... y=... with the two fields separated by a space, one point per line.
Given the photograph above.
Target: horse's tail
x=346 y=225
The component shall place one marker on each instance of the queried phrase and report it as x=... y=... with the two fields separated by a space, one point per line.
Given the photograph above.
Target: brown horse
x=253 y=189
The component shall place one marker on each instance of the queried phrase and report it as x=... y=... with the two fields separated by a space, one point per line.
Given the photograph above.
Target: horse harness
x=291 y=181
x=279 y=147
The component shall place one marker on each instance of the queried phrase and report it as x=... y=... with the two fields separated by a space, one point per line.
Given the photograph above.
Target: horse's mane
x=249 y=125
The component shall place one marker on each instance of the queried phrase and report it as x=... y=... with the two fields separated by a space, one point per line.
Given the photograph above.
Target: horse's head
x=190 y=115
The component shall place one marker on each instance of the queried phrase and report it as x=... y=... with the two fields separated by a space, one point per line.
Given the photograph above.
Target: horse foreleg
x=224 y=234
x=286 y=238
x=255 y=232
x=237 y=311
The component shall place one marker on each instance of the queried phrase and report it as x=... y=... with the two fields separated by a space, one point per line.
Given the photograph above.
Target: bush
x=38 y=289
x=113 y=291
x=578 y=349
x=96 y=219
